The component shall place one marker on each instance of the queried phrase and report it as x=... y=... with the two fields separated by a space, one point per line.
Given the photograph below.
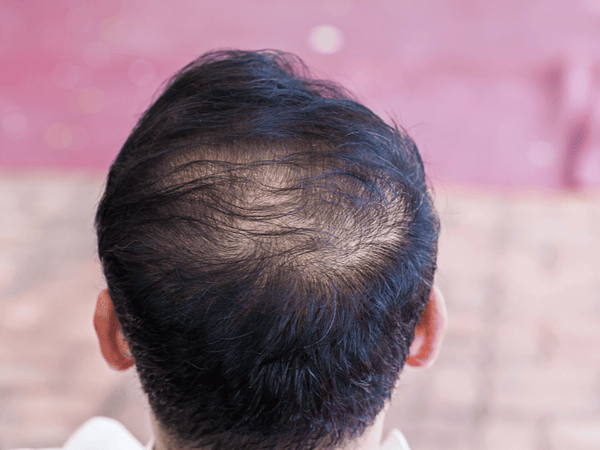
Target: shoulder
x=100 y=433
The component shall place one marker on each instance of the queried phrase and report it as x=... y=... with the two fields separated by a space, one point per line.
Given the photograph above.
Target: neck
x=370 y=439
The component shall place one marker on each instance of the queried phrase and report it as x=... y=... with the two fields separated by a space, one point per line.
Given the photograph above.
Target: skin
x=429 y=334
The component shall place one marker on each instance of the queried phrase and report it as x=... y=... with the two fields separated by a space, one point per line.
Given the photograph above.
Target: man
x=269 y=246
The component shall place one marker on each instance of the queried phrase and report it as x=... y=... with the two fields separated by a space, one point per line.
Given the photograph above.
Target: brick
x=575 y=434
x=514 y=435
x=520 y=275
x=454 y=386
x=544 y=390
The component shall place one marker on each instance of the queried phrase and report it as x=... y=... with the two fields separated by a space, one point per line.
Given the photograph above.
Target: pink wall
x=495 y=93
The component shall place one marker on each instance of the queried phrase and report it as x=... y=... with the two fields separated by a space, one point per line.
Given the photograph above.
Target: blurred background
x=503 y=99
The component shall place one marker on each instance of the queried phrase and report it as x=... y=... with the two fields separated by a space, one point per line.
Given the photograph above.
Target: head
x=269 y=246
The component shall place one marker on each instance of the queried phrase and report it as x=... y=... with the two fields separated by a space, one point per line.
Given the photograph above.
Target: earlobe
x=430 y=332
x=113 y=345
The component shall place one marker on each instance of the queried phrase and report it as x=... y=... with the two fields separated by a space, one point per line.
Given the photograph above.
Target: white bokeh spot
x=326 y=39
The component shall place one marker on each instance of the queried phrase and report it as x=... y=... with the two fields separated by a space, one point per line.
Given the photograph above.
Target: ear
x=113 y=346
x=430 y=331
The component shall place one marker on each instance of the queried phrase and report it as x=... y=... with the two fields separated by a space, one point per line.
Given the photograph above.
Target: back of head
x=269 y=245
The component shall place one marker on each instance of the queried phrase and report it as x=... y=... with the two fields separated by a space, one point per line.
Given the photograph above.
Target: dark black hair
x=269 y=245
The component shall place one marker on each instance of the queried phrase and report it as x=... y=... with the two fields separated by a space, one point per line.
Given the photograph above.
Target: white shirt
x=102 y=433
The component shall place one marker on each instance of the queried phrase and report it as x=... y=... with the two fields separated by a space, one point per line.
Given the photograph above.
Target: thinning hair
x=269 y=245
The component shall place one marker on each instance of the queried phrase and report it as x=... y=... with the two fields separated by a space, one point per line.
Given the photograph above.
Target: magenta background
x=476 y=83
